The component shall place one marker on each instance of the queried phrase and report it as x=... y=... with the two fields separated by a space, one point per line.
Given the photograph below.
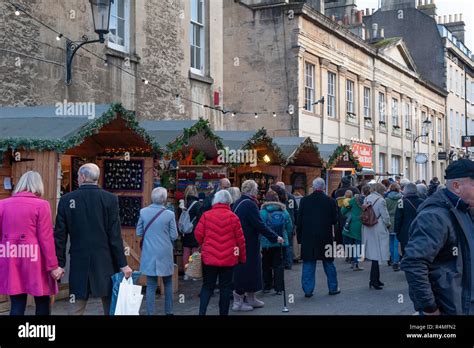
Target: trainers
x=333 y=293
x=239 y=305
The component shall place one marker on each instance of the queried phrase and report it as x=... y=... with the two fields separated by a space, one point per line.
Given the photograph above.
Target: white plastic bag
x=129 y=298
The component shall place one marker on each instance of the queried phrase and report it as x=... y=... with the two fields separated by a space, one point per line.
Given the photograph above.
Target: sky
x=445 y=7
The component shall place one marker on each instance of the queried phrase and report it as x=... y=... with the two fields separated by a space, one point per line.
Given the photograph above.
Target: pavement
x=355 y=298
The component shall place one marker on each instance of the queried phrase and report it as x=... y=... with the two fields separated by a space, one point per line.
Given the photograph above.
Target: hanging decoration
x=93 y=127
x=261 y=137
x=341 y=151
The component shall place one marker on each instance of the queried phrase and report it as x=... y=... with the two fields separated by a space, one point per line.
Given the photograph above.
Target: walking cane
x=285 y=308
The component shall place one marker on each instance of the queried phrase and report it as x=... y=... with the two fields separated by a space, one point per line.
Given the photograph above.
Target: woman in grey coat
x=157 y=253
x=376 y=239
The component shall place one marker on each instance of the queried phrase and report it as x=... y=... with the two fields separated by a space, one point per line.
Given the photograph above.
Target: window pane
x=120 y=8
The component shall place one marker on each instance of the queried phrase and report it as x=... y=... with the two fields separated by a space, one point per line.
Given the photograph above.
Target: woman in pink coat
x=28 y=263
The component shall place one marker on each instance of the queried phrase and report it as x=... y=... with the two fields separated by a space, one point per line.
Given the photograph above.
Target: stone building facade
x=293 y=55
x=151 y=39
x=437 y=46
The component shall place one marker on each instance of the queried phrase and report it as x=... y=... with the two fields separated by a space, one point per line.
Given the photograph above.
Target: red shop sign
x=364 y=153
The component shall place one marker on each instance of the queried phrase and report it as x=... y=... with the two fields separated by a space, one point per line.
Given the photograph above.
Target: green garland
x=332 y=162
x=62 y=145
x=202 y=126
x=262 y=137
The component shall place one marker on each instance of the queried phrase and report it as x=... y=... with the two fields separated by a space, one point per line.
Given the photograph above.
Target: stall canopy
x=338 y=156
x=268 y=150
x=300 y=151
x=235 y=140
x=41 y=129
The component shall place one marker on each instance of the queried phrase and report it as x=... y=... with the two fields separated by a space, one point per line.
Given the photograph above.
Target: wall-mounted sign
x=364 y=153
x=421 y=158
x=468 y=141
x=442 y=156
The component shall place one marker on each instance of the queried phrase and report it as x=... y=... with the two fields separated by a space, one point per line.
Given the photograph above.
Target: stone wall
x=159 y=51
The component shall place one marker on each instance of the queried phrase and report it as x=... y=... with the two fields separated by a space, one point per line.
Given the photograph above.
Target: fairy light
x=146 y=81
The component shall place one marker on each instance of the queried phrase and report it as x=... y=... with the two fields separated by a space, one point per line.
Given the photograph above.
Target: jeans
x=18 y=305
x=151 y=285
x=272 y=268
x=210 y=276
x=308 y=279
x=356 y=250
x=394 y=255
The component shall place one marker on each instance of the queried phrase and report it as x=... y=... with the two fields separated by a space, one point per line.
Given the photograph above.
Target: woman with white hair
x=235 y=194
x=223 y=246
x=26 y=226
x=157 y=227
x=248 y=276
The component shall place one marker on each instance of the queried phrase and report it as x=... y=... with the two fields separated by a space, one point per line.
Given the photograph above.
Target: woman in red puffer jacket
x=223 y=246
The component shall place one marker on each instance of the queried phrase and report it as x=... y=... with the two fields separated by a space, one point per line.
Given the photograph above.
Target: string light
x=145 y=80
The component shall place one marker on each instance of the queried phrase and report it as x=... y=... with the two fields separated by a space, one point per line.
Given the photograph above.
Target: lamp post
x=101 y=17
x=321 y=101
x=428 y=124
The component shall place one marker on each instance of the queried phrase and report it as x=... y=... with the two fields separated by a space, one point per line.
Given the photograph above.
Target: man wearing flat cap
x=439 y=256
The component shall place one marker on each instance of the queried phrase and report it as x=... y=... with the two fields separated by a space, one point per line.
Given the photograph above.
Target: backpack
x=185 y=224
x=368 y=217
x=276 y=221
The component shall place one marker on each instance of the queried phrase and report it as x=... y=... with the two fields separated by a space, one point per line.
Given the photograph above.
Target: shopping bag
x=129 y=298
x=194 y=267
x=116 y=281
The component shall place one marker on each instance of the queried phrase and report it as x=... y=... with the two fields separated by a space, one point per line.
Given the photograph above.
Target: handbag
x=149 y=224
x=194 y=267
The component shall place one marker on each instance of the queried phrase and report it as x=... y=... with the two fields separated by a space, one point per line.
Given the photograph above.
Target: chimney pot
x=420 y=2
x=445 y=19
x=450 y=18
x=373 y=10
x=460 y=17
x=375 y=29
x=456 y=17
x=367 y=12
x=360 y=14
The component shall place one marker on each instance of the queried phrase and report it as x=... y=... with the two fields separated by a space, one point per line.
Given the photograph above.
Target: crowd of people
x=245 y=244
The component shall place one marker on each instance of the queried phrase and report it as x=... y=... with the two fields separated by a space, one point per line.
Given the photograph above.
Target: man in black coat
x=90 y=217
x=317 y=215
x=405 y=214
x=439 y=256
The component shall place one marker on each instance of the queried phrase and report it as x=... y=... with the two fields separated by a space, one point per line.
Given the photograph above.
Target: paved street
x=355 y=298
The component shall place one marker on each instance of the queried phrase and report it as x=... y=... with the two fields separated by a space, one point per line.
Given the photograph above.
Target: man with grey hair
x=439 y=256
x=90 y=218
x=224 y=184
x=422 y=191
x=317 y=216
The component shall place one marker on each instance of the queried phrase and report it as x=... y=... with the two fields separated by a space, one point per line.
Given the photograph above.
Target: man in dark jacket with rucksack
x=439 y=256
x=405 y=214
x=317 y=215
x=292 y=208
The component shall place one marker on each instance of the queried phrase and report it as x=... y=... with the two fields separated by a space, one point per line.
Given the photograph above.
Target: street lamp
x=321 y=101
x=101 y=17
x=428 y=124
